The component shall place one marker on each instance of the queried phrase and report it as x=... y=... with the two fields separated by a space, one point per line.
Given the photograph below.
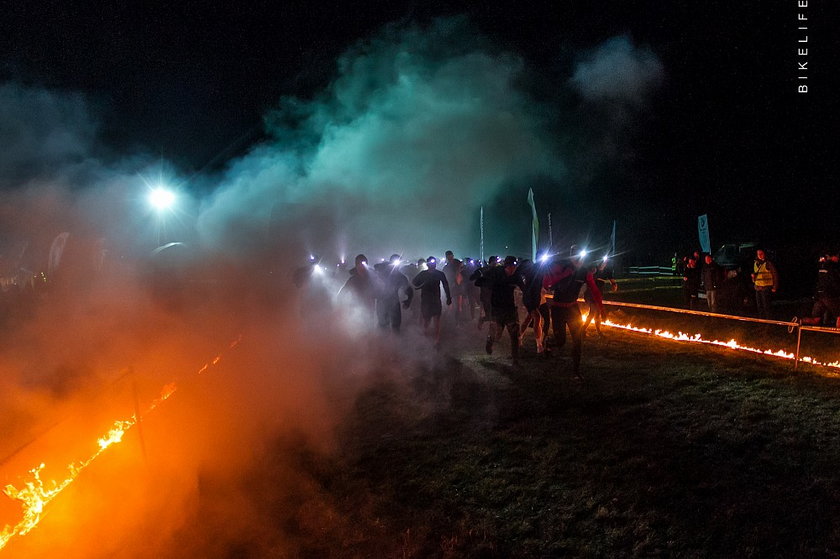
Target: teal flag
x=703 y=232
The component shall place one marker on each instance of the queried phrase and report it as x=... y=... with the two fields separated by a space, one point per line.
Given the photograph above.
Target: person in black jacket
x=565 y=279
x=393 y=290
x=503 y=280
x=826 y=309
x=360 y=289
x=532 y=298
x=712 y=275
x=691 y=284
x=485 y=291
x=428 y=282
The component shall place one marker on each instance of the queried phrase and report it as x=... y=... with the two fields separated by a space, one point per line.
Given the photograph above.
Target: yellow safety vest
x=763 y=276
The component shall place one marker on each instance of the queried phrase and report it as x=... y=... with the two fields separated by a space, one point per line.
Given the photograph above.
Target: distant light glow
x=161 y=198
x=544 y=257
x=583 y=253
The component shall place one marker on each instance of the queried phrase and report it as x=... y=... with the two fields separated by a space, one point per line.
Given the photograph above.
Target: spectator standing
x=826 y=309
x=691 y=283
x=766 y=281
x=712 y=275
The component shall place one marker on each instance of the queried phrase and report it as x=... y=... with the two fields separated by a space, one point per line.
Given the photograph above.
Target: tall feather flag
x=612 y=241
x=703 y=233
x=535 y=224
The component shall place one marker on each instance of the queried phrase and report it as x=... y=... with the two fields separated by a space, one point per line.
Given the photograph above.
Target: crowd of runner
x=467 y=293
x=517 y=296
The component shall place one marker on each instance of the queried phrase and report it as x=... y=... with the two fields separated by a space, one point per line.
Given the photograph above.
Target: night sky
x=647 y=113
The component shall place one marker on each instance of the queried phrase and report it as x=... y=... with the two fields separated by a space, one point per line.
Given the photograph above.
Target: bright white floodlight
x=161 y=198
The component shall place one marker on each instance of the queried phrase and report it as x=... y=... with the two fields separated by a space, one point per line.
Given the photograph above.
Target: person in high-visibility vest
x=766 y=281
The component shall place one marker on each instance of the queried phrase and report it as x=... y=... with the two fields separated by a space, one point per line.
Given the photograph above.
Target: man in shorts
x=428 y=282
x=503 y=281
x=565 y=278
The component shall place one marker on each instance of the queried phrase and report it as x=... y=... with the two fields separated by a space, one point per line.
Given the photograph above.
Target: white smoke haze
x=616 y=82
x=420 y=128
x=42 y=130
x=618 y=71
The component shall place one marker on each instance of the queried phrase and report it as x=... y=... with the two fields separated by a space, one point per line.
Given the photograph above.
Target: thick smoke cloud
x=419 y=129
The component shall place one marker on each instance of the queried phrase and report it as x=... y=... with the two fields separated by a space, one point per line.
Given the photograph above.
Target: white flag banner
x=535 y=224
x=56 y=250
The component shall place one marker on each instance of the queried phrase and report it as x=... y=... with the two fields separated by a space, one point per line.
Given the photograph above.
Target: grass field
x=664 y=450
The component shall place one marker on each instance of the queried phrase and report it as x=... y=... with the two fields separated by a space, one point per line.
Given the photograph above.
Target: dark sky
x=718 y=127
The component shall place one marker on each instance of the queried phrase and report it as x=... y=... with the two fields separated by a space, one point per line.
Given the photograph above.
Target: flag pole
x=550 y=234
x=481 y=234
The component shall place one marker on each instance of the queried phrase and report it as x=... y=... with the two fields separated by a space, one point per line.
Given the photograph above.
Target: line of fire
x=65 y=458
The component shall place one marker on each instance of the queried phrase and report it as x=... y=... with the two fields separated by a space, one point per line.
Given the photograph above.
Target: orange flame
x=732 y=344
x=35 y=495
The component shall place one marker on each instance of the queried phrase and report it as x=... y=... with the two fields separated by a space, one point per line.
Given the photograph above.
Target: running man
x=428 y=282
x=503 y=280
x=565 y=279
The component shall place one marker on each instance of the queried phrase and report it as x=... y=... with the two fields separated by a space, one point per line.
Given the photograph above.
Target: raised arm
x=553 y=276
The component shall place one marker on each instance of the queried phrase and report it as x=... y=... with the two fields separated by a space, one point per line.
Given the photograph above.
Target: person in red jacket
x=564 y=279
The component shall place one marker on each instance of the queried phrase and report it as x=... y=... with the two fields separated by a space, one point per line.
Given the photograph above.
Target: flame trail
x=35 y=494
x=731 y=344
